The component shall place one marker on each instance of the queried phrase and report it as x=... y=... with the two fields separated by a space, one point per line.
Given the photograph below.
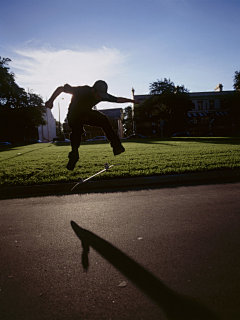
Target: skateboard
x=107 y=167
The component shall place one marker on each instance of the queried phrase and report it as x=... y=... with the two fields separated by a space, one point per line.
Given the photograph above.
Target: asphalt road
x=138 y=255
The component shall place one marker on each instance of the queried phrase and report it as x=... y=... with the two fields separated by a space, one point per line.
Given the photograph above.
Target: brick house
x=209 y=114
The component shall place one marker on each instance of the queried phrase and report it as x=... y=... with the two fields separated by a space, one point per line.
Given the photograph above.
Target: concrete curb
x=65 y=188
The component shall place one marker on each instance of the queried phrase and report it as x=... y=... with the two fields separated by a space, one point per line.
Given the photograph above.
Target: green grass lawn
x=46 y=163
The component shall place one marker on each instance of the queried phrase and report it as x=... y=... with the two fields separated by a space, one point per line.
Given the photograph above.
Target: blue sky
x=127 y=43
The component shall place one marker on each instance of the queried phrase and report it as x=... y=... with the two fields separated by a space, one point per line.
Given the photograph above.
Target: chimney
x=133 y=91
x=219 y=88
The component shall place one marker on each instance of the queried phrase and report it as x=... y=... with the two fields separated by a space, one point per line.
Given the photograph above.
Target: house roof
x=196 y=95
x=112 y=113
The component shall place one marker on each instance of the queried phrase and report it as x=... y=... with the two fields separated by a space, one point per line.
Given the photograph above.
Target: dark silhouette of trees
x=166 y=102
x=236 y=84
x=233 y=104
x=21 y=112
x=128 y=121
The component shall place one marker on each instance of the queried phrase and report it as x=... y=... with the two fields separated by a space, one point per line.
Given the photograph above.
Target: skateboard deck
x=107 y=167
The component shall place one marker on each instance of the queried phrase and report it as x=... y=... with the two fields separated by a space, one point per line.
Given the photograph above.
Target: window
x=200 y=105
x=211 y=104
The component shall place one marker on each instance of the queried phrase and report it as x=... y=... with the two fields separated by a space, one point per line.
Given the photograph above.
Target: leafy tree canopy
x=236 y=83
x=21 y=112
x=165 y=86
x=166 y=102
x=233 y=101
x=128 y=120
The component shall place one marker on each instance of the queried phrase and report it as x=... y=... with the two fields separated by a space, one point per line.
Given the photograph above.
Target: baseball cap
x=101 y=87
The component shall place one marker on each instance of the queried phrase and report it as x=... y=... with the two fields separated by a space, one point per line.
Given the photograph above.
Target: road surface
x=148 y=250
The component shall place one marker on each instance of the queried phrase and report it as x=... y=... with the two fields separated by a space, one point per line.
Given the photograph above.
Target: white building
x=48 y=132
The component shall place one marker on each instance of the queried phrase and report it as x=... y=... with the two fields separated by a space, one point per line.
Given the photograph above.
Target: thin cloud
x=44 y=69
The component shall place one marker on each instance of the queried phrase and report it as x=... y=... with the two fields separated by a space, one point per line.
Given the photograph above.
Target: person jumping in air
x=80 y=112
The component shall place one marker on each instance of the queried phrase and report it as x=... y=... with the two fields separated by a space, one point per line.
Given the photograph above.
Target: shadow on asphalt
x=174 y=305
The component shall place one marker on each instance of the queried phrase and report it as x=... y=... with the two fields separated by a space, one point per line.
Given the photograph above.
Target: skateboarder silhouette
x=80 y=112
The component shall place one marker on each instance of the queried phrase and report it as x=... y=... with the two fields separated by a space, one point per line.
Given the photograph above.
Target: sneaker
x=118 y=150
x=73 y=159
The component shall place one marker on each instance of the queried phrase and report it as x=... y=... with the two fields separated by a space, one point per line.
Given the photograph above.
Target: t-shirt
x=83 y=97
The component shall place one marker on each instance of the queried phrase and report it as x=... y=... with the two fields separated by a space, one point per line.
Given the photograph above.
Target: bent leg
x=98 y=119
x=75 y=138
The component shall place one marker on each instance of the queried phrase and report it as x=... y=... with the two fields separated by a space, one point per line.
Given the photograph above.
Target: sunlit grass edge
x=46 y=163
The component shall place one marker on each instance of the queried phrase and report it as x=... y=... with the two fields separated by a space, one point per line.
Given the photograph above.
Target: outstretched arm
x=123 y=100
x=56 y=93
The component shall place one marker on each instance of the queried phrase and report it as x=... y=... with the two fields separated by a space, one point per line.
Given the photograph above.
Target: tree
x=233 y=104
x=128 y=121
x=59 y=130
x=236 y=84
x=162 y=87
x=166 y=102
x=21 y=112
